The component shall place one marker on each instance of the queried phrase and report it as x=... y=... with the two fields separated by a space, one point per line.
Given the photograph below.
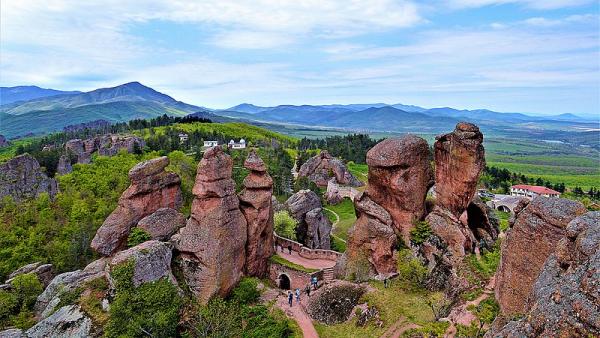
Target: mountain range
x=33 y=110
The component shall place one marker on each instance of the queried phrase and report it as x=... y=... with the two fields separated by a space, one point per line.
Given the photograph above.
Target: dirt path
x=460 y=314
x=337 y=220
x=305 y=262
x=296 y=312
x=398 y=328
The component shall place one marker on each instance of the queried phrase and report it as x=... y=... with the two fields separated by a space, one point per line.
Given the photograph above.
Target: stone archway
x=503 y=208
x=284 y=282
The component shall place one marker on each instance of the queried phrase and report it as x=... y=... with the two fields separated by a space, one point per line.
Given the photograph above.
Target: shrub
x=410 y=268
x=246 y=291
x=285 y=225
x=487 y=265
x=359 y=269
x=27 y=287
x=420 y=233
x=137 y=236
x=8 y=305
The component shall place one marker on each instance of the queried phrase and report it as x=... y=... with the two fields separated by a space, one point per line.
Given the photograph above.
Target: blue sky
x=540 y=57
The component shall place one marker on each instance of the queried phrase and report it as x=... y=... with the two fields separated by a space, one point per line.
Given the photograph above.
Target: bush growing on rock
x=16 y=305
x=246 y=292
x=420 y=233
x=285 y=225
x=411 y=269
x=137 y=236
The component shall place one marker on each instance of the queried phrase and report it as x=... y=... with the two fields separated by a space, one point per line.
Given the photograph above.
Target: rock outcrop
x=371 y=241
x=77 y=148
x=565 y=299
x=44 y=272
x=163 y=223
x=399 y=177
x=255 y=204
x=64 y=165
x=459 y=159
x=68 y=321
x=151 y=261
x=151 y=188
x=535 y=231
x=22 y=178
x=110 y=145
x=314 y=228
x=3 y=141
x=323 y=167
x=212 y=245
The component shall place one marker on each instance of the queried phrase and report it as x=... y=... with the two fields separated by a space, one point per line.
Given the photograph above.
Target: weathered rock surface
x=565 y=299
x=371 y=241
x=68 y=321
x=151 y=188
x=3 y=141
x=68 y=281
x=333 y=303
x=323 y=167
x=151 y=262
x=399 y=177
x=12 y=333
x=64 y=165
x=482 y=222
x=22 y=178
x=44 y=272
x=110 y=145
x=255 y=204
x=313 y=230
x=163 y=223
x=212 y=245
x=77 y=148
x=459 y=159
x=536 y=230
x=457 y=236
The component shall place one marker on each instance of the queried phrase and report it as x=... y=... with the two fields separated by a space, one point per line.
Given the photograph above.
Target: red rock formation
x=322 y=167
x=399 y=176
x=536 y=230
x=371 y=241
x=151 y=188
x=255 y=204
x=163 y=223
x=212 y=245
x=459 y=159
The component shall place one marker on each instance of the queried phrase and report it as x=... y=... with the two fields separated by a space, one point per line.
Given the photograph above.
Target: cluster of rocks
x=321 y=168
x=555 y=286
x=3 y=141
x=314 y=228
x=22 y=178
x=43 y=272
x=334 y=302
x=400 y=175
x=226 y=237
x=106 y=145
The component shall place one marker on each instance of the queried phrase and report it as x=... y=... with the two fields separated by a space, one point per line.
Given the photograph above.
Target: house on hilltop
x=183 y=137
x=532 y=191
x=210 y=144
x=237 y=145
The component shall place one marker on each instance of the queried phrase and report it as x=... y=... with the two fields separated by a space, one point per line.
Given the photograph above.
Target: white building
x=183 y=137
x=210 y=144
x=237 y=145
x=532 y=191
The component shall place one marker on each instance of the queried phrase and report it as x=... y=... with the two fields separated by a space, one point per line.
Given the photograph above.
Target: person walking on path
x=307 y=290
x=314 y=282
x=290 y=249
x=298 y=295
x=385 y=282
x=290 y=298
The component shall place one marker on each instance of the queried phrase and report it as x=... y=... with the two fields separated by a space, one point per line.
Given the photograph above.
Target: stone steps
x=328 y=274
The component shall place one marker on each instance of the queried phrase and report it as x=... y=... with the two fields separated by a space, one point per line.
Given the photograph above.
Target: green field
x=345 y=211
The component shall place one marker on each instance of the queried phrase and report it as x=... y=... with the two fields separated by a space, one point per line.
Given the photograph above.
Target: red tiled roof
x=536 y=189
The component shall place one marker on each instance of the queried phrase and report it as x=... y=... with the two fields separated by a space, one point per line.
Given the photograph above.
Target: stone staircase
x=328 y=275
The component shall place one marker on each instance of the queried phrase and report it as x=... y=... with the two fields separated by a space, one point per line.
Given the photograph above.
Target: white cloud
x=535 y=4
x=251 y=40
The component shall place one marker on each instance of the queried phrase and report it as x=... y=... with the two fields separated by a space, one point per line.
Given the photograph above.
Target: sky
x=538 y=57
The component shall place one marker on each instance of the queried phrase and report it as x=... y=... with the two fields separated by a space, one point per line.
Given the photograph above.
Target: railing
x=304 y=251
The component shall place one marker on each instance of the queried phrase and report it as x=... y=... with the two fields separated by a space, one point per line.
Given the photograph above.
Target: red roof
x=536 y=189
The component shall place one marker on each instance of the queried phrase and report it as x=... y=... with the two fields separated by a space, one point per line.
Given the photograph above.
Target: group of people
x=312 y=286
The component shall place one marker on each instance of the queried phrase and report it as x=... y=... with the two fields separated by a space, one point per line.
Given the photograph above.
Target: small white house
x=532 y=191
x=237 y=145
x=210 y=144
x=183 y=137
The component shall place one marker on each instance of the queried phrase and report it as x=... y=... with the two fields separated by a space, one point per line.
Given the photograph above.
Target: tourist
x=314 y=282
x=307 y=290
x=298 y=295
x=290 y=249
x=385 y=282
x=290 y=297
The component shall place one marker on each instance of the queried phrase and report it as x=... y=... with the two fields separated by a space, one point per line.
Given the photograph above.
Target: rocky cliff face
x=314 y=227
x=64 y=165
x=371 y=241
x=565 y=298
x=212 y=245
x=151 y=188
x=534 y=233
x=22 y=178
x=399 y=176
x=111 y=145
x=323 y=167
x=255 y=204
x=77 y=148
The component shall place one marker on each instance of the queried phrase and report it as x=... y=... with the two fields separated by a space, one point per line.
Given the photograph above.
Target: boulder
x=12 y=333
x=65 y=282
x=334 y=302
x=22 y=178
x=299 y=205
x=151 y=188
x=212 y=245
x=110 y=145
x=163 y=223
x=151 y=262
x=77 y=148
x=64 y=165
x=457 y=236
x=565 y=299
x=44 y=272
x=459 y=160
x=482 y=222
x=255 y=204
x=536 y=230
x=399 y=177
x=323 y=167
x=69 y=321
x=371 y=241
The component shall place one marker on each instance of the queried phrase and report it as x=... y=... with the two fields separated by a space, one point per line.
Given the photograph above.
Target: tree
x=285 y=225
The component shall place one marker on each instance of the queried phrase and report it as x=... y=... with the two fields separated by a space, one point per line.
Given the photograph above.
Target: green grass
x=503 y=217
x=282 y=261
x=360 y=171
x=345 y=210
